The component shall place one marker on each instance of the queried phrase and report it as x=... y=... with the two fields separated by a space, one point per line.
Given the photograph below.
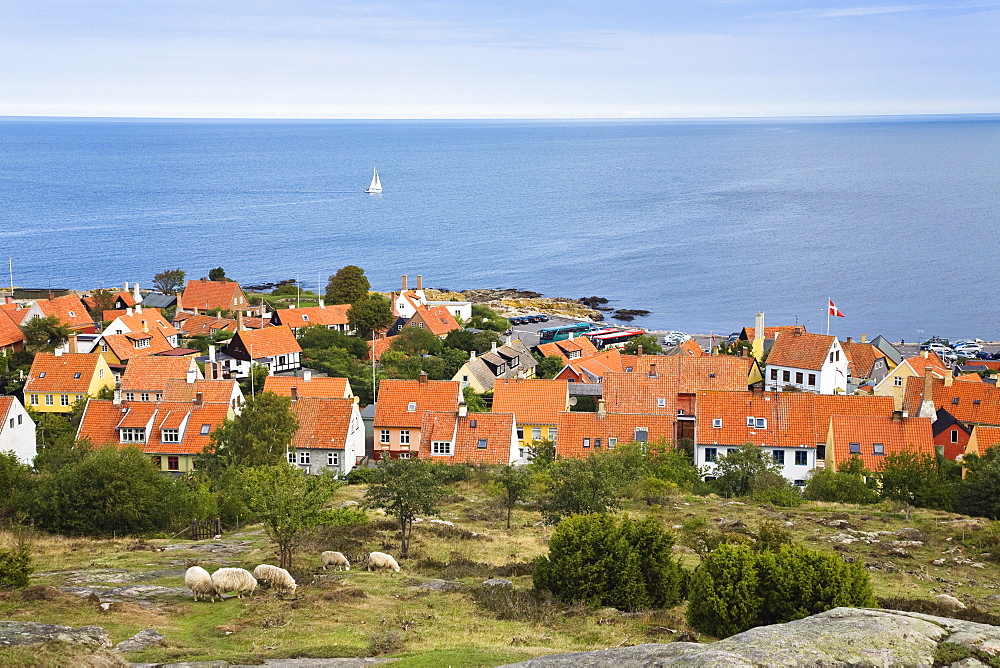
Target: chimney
x=472 y=355
x=8 y=300
x=948 y=379
x=422 y=378
x=897 y=416
x=463 y=410
x=850 y=340
x=192 y=375
x=199 y=398
x=864 y=338
x=652 y=370
x=322 y=302
x=743 y=352
x=145 y=327
x=209 y=370
x=211 y=353
x=125 y=284
x=924 y=353
x=73 y=349
x=117 y=399
x=404 y=284
x=638 y=351
x=927 y=403
x=138 y=308
x=493 y=348
x=601 y=413
x=58 y=352
x=295 y=393
x=759 y=326
x=798 y=330
x=135 y=293
x=571 y=336
x=307 y=375
x=128 y=311
x=507 y=341
x=420 y=282
x=239 y=322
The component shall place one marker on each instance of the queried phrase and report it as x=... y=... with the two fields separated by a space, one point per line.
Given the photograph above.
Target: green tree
x=45 y=334
x=254 y=383
x=170 y=281
x=217 y=274
x=595 y=559
x=548 y=367
x=259 y=436
x=542 y=454
x=348 y=286
x=650 y=346
x=370 y=314
x=917 y=479
x=413 y=341
x=511 y=485
x=723 y=596
x=287 y=502
x=582 y=486
x=743 y=470
x=104 y=300
x=15 y=481
x=318 y=337
x=404 y=488
x=15 y=569
x=463 y=339
x=339 y=363
x=483 y=317
x=979 y=494
x=850 y=483
x=57 y=444
x=474 y=401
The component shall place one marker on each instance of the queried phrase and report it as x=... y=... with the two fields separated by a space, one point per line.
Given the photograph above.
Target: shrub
x=722 y=596
x=849 y=484
x=508 y=603
x=361 y=476
x=776 y=491
x=15 y=568
x=626 y=566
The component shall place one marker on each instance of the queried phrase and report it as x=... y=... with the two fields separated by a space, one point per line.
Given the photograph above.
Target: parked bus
x=613 y=339
x=562 y=332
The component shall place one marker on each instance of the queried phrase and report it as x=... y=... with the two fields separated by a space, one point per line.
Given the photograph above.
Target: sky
x=497 y=59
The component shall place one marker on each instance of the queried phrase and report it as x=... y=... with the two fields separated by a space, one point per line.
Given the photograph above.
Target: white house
x=17 y=430
x=331 y=435
x=810 y=362
x=406 y=302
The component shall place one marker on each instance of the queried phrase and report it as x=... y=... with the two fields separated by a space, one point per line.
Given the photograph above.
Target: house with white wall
x=808 y=362
x=17 y=430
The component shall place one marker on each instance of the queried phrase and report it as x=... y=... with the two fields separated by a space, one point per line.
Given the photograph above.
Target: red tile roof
x=574 y=427
x=212 y=391
x=101 y=421
x=986 y=438
x=124 y=345
x=437 y=320
x=969 y=402
x=146 y=320
x=150 y=374
x=483 y=438
x=579 y=347
x=209 y=295
x=15 y=312
x=323 y=422
x=59 y=373
x=532 y=401
x=771 y=332
x=395 y=397
x=800 y=350
x=861 y=358
x=269 y=342
x=331 y=388
x=380 y=346
x=10 y=332
x=590 y=369
x=894 y=435
x=918 y=363
x=690 y=348
x=202 y=325
x=314 y=315
x=69 y=309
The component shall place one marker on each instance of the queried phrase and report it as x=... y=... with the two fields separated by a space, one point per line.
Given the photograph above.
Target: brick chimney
x=652 y=370
x=199 y=398
x=798 y=330
x=422 y=378
x=295 y=393
x=850 y=340
x=601 y=413
x=420 y=282
x=239 y=322
x=404 y=288
x=638 y=351
x=145 y=327
x=209 y=370
x=73 y=348
x=897 y=416
x=927 y=398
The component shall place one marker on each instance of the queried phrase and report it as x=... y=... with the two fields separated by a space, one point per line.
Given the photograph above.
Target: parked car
x=543 y=318
x=934 y=340
x=733 y=338
x=984 y=355
x=969 y=350
x=938 y=348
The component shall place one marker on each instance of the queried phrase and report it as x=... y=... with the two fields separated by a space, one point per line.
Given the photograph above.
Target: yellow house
x=981 y=439
x=894 y=384
x=536 y=405
x=57 y=381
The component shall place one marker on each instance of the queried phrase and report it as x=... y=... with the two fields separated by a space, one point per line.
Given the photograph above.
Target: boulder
x=33 y=633
x=140 y=640
x=42 y=593
x=838 y=637
x=498 y=582
x=949 y=602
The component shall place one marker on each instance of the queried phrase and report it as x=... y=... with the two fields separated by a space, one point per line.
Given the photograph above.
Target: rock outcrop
x=838 y=637
x=33 y=633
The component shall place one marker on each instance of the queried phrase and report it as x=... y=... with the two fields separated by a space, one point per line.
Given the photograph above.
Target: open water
x=704 y=223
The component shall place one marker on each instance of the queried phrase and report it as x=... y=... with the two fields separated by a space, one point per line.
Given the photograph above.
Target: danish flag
x=835 y=311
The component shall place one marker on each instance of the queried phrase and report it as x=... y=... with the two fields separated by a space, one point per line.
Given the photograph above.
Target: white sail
x=376 y=185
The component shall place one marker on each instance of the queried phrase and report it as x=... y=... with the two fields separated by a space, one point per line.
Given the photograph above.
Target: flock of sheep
x=242 y=581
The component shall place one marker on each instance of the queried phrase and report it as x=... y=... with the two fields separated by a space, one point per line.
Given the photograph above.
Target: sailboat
x=376 y=186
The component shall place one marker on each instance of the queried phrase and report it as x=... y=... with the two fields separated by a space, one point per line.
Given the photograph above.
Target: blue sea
x=703 y=223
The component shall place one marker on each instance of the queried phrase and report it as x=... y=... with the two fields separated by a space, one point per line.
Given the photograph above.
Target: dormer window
x=76 y=375
x=412 y=406
x=132 y=434
x=170 y=435
x=205 y=428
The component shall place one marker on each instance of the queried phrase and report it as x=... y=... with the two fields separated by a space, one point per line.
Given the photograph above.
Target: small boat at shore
x=376 y=185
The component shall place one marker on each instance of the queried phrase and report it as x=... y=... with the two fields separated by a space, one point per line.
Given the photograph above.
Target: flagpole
x=828 y=302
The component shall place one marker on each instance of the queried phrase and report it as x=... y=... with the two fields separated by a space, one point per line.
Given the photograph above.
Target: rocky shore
x=511 y=301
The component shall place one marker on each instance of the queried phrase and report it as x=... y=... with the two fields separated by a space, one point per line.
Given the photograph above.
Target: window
x=129 y=396
x=711 y=454
x=520 y=433
x=49 y=400
x=383 y=436
x=954 y=401
x=132 y=434
x=333 y=459
x=19 y=419
x=786 y=375
x=104 y=347
x=760 y=423
x=412 y=406
x=305 y=317
x=976 y=402
x=100 y=374
x=404 y=436
x=954 y=436
x=730 y=451
x=897 y=381
x=801 y=457
x=800 y=483
x=661 y=402
x=472 y=424
x=641 y=435
x=158 y=462
x=291 y=458
x=798 y=377
x=76 y=375
x=612 y=442
x=159 y=396
x=586 y=442
x=12 y=423
x=41 y=375
x=171 y=435
x=536 y=433
x=717 y=423
x=205 y=428
x=552 y=434
x=304 y=457
x=812 y=379
x=144 y=396
x=854 y=448
x=34 y=399
x=749 y=421
x=878 y=448
x=64 y=400
x=838 y=355
x=440 y=447
x=71 y=314
x=481 y=444
x=597 y=442
x=404 y=455
x=779 y=457
x=774 y=374
x=420 y=325
x=281 y=360
x=173 y=463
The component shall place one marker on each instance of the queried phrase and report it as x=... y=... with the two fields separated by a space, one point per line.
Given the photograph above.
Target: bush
x=776 y=491
x=361 y=476
x=451 y=473
x=849 y=484
x=15 y=568
x=627 y=566
x=723 y=595
x=508 y=603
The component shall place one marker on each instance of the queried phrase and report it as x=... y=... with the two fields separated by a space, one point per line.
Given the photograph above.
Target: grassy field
x=357 y=613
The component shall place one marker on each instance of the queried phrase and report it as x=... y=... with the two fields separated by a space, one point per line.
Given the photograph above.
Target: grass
x=357 y=613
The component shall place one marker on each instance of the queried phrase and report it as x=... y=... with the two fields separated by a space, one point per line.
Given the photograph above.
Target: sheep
x=199 y=581
x=378 y=560
x=233 y=579
x=335 y=559
x=275 y=577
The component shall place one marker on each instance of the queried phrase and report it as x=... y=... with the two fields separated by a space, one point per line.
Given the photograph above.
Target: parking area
x=528 y=333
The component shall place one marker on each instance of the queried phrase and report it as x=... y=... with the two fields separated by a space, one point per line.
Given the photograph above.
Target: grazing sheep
x=378 y=560
x=335 y=559
x=233 y=579
x=275 y=577
x=199 y=581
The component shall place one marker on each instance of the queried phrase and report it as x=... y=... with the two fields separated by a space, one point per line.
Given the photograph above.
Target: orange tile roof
x=148 y=319
x=313 y=315
x=591 y=369
x=62 y=373
x=101 y=421
x=639 y=391
x=581 y=344
x=69 y=309
x=861 y=357
x=986 y=437
x=123 y=345
x=800 y=350
x=970 y=377
x=269 y=342
x=150 y=374
x=532 y=401
x=10 y=332
x=15 y=312
x=6 y=403
x=690 y=348
x=331 y=388
x=209 y=295
x=495 y=431
x=323 y=422
x=212 y=391
x=202 y=325
x=969 y=402
x=380 y=346
x=895 y=436
x=437 y=320
x=574 y=427
x=770 y=332
x=395 y=396
x=918 y=363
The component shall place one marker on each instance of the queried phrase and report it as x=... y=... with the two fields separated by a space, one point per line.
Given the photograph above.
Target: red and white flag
x=835 y=311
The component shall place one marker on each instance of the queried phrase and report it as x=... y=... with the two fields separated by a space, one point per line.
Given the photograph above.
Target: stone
x=949 y=602
x=839 y=637
x=32 y=633
x=498 y=582
x=938 y=562
x=140 y=640
x=440 y=585
x=909 y=533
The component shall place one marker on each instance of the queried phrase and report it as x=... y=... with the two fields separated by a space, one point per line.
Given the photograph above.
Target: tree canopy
x=217 y=274
x=169 y=282
x=404 y=488
x=650 y=346
x=348 y=286
x=370 y=314
x=45 y=334
x=259 y=436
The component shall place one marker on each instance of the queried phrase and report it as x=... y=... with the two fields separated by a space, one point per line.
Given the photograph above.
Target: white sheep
x=335 y=559
x=276 y=577
x=233 y=579
x=199 y=581
x=378 y=560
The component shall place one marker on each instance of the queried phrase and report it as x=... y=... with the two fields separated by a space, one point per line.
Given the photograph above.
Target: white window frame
x=760 y=423
x=412 y=406
x=661 y=402
x=129 y=396
x=33 y=399
x=553 y=432
x=441 y=448
x=586 y=442
x=132 y=435
x=50 y=400
x=144 y=396
x=536 y=433
x=404 y=436
x=383 y=436
x=64 y=400
x=612 y=442
x=717 y=423
x=333 y=459
x=170 y=435
x=305 y=457
x=404 y=455
x=291 y=457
